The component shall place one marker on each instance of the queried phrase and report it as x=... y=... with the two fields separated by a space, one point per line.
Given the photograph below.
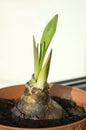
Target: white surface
x=21 y=19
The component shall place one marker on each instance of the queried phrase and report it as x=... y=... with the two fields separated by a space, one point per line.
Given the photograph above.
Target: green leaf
x=49 y=32
x=47 y=36
x=43 y=75
x=36 y=57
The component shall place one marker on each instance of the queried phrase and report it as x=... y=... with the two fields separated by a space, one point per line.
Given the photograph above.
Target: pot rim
x=51 y=128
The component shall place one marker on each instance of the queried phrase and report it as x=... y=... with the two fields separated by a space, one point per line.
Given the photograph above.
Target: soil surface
x=73 y=113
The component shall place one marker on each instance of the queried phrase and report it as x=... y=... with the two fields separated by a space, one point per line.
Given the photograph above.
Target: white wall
x=21 y=19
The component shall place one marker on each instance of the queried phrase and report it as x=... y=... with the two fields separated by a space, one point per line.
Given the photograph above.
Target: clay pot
x=78 y=95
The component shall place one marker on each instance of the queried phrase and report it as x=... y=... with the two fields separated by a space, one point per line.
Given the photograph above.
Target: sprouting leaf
x=36 y=57
x=44 y=72
x=49 y=32
x=47 y=36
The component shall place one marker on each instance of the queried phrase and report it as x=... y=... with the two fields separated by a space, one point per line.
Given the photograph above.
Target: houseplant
x=36 y=103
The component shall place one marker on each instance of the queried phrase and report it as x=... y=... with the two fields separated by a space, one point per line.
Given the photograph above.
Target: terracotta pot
x=75 y=94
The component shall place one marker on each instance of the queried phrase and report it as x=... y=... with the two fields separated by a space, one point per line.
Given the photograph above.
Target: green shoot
x=41 y=71
x=42 y=78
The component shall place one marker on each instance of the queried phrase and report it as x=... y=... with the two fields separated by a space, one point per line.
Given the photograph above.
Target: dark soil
x=73 y=113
